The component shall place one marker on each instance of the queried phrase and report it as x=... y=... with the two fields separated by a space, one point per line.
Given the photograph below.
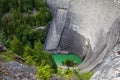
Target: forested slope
x=18 y=19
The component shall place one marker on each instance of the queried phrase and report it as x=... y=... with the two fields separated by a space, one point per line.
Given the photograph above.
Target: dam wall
x=88 y=28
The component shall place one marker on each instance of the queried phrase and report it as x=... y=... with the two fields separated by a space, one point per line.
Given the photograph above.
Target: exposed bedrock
x=2 y=48
x=110 y=68
x=88 y=28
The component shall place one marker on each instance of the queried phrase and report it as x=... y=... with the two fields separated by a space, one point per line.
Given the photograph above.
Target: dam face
x=88 y=28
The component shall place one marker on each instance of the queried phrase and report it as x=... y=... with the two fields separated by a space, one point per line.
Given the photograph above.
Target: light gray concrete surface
x=88 y=28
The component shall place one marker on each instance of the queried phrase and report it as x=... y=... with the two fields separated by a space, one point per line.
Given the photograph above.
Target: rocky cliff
x=88 y=28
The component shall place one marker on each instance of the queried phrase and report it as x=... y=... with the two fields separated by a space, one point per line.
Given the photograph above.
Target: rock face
x=88 y=28
x=110 y=68
x=2 y=48
x=16 y=71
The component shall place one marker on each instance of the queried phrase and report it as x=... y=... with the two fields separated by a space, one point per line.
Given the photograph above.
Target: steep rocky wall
x=110 y=68
x=89 y=28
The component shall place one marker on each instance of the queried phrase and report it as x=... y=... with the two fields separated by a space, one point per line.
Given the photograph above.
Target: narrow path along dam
x=87 y=28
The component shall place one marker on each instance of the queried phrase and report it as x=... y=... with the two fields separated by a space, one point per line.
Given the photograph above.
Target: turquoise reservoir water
x=62 y=57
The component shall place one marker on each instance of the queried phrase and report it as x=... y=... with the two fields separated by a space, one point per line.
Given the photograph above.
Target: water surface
x=62 y=57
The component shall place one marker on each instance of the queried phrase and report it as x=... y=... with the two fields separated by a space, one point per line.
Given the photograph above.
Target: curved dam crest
x=88 y=28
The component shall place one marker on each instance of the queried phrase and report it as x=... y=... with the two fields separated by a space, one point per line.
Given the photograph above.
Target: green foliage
x=4 y=39
x=23 y=33
x=68 y=62
x=71 y=73
x=30 y=61
x=84 y=76
x=28 y=52
x=19 y=17
x=37 y=54
x=44 y=71
x=6 y=56
x=16 y=46
x=51 y=62
x=59 y=72
x=87 y=75
x=68 y=73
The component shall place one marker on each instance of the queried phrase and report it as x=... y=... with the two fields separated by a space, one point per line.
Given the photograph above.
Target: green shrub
x=37 y=54
x=17 y=46
x=84 y=76
x=44 y=71
x=6 y=56
x=68 y=62
x=19 y=17
x=68 y=74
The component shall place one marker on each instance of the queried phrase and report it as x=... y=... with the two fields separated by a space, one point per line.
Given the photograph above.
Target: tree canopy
x=18 y=19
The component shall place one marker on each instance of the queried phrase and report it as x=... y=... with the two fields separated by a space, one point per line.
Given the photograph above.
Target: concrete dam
x=87 y=28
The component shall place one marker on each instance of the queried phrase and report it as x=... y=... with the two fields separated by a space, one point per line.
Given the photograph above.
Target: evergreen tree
x=16 y=46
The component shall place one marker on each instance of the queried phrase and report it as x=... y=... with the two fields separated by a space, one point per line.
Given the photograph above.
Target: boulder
x=17 y=71
x=2 y=48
